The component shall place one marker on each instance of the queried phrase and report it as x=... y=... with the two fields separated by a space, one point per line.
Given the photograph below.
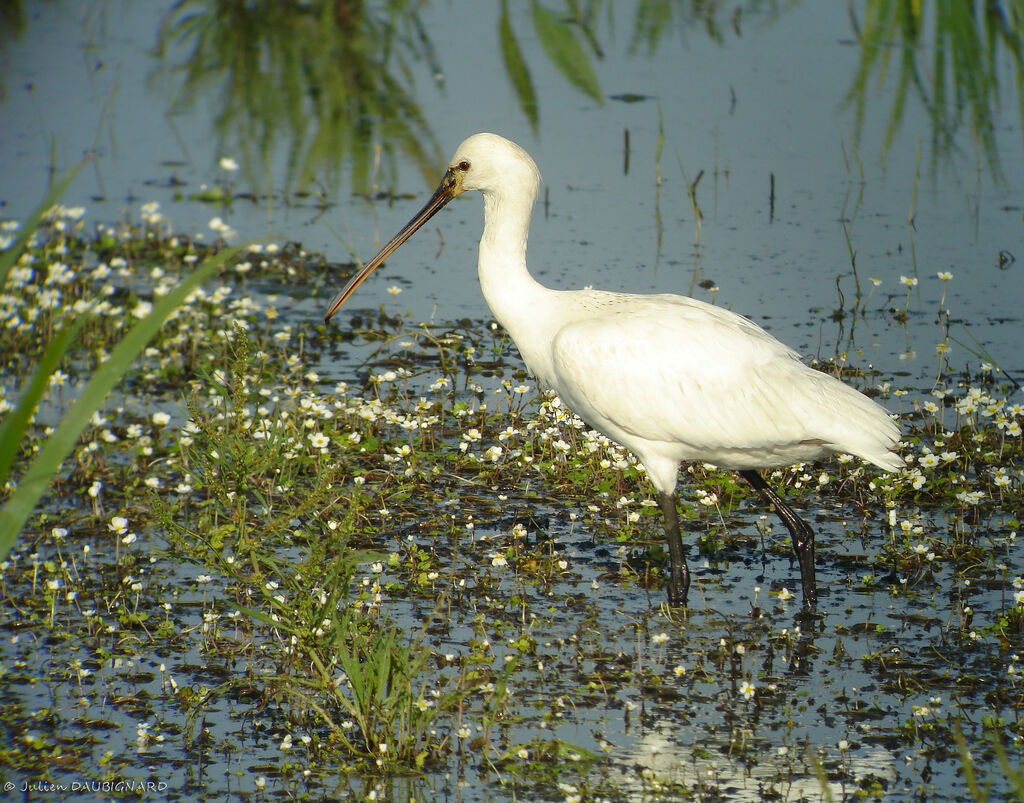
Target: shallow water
x=744 y=110
x=849 y=689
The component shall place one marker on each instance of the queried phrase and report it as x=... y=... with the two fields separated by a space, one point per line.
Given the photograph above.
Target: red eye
x=463 y=165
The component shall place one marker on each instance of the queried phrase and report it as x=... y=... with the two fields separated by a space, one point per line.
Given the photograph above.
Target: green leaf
x=516 y=69
x=257 y=615
x=565 y=51
x=59 y=445
x=17 y=421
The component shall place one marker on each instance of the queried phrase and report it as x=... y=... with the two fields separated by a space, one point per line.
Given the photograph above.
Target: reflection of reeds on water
x=333 y=80
x=949 y=56
x=336 y=81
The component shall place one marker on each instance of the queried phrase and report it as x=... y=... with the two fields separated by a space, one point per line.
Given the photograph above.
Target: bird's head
x=486 y=162
x=492 y=164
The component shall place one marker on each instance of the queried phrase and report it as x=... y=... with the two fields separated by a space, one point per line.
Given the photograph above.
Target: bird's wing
x=672 y=369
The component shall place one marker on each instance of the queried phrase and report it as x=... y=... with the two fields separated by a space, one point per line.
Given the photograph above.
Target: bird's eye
x=463 y=165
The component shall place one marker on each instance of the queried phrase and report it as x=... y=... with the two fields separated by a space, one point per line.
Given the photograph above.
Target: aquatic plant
x=323 y=586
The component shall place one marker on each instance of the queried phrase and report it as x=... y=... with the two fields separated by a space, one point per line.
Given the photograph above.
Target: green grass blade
x=16 y=422
x=1013 y=775
x=58 y=446
x=967 y=767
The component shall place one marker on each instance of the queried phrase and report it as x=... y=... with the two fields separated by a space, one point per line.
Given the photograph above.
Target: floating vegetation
x=253 y=578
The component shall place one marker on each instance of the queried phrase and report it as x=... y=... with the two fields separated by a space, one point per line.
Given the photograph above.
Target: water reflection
x=332 y=78
x=335 y=80
x=12 y=26
x=571 y=38
x=949 y=58
x=12 y=19
x=717 y=18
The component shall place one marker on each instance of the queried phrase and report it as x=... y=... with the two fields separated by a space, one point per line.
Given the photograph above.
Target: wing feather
x=673 y=369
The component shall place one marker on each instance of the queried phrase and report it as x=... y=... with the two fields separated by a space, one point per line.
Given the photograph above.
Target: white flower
x=971 y=497
x=222 y=228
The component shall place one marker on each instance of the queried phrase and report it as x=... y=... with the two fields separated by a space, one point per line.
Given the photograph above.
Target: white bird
x=669 y=377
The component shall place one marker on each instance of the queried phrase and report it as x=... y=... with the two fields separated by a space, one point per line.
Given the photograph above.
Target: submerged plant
x=33 y=482
x=436 y=569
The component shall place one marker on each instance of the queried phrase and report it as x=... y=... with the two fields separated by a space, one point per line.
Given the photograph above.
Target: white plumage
x=670 y=378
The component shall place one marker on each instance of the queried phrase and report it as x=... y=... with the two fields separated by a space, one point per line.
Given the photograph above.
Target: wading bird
x=671 y=378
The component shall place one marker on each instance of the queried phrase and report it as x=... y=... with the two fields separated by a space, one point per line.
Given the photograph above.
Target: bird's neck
x=516 y=299
x=506 y=283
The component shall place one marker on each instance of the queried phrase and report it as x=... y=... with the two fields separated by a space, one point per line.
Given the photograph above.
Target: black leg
x=679 y=578
x=802 y=534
